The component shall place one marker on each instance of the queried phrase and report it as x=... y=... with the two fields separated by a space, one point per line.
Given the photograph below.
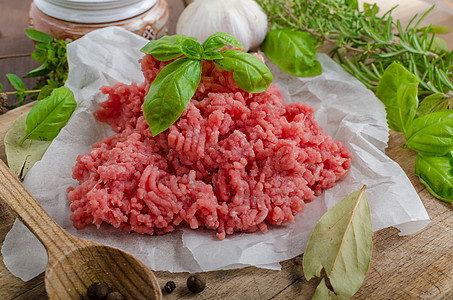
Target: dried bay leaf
x=22 y=158
x=341 y=243
x=322 y=292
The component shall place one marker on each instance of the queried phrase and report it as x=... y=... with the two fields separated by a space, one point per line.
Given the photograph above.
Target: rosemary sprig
x=365 y=44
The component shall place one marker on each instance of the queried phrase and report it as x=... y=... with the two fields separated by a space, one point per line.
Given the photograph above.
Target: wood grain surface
x=419 y=266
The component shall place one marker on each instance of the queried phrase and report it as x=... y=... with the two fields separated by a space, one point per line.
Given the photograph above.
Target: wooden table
x=419 y=266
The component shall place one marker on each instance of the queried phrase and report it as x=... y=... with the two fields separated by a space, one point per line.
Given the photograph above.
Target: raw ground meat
x=234 y=161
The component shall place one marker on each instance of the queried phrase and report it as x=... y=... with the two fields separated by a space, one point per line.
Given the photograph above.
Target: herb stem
x=26 y=92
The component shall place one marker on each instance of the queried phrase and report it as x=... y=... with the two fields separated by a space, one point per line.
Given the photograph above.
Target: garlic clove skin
x=244 y=19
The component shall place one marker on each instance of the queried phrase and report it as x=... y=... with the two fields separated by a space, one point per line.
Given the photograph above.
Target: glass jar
x=71 y=19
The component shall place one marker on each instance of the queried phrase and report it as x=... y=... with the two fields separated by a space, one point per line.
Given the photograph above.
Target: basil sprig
x=429 y=134
x=172 y=89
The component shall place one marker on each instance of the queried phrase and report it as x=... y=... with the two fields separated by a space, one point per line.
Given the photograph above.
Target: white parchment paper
x=344 y=108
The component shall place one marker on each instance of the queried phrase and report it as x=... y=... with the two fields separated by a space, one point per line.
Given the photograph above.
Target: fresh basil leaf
x=48 y=116
x=38 y=35
x=38 y=72
x=191 y=49
x=433 y=103
x=16 y=82
x=1 y=87
x=170 y=93
x=341 y=243
x=432 y=134
x=249 y=73
x=436 y=173
x=166 y=48
x=219 y=40
x=211 y=55
x=293 y=51
x=397 y=89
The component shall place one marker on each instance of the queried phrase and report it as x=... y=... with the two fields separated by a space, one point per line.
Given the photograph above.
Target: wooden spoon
x=74 y=264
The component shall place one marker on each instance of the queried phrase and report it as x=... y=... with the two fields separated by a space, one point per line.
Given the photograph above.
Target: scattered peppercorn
x=115 y=296
x=196 y=283
x=170 y=286
x=97 y=291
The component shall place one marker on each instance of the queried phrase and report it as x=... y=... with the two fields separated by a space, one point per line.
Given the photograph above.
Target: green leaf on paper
x=49 y=115
x=22 y=158
x=341 y=244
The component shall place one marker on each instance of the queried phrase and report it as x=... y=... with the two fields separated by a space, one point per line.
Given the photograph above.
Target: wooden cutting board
x=419 y=266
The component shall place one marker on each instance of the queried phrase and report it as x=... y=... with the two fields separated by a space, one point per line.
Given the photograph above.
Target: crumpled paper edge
x=25 y=263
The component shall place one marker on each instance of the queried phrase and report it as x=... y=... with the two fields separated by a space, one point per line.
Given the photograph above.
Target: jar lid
x=94 y=11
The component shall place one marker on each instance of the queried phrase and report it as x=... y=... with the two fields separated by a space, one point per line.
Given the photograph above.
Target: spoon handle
x=15 y=195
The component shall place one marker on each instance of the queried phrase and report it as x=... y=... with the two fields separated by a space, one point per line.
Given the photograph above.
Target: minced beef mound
x=234 y=161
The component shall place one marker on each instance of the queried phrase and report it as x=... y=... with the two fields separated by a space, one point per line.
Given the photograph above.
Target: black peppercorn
x=196 y=283
x=115 y=296
x=170 y=286
x=97 y=291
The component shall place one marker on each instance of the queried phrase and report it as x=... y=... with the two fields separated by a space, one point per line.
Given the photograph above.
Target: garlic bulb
x=244 y=19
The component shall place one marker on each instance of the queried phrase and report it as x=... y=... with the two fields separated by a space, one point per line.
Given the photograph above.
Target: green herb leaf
x=48 y=116
x=219 y=40
x=249 y=73
x=211 y=55
x=342 y=243
x=1 y=87
x=167 y=47
x=45 y=92
x=170 y=93
x=38 y=72
x=436 y=173
x=16 y=82
x=432 y=134
x=397 y=89
x=433 y=103
x=38 y=35
x=191 y=49
x=293 y=51
x=39 y=55
x=22 y=158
